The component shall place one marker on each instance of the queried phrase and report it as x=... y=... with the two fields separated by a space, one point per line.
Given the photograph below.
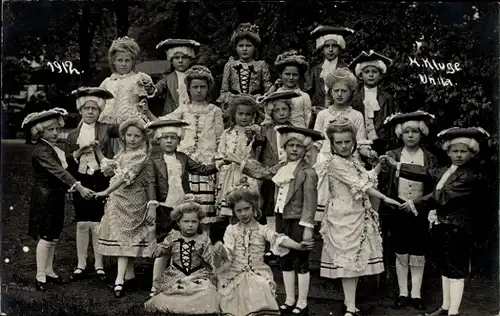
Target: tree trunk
x=121 y=12
x=183 y=9
x=84 y=42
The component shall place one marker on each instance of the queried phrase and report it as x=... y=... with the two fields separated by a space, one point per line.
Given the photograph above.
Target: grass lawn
x=90 y=297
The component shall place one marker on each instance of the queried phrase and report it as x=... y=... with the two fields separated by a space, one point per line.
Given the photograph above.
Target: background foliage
x=450 y=32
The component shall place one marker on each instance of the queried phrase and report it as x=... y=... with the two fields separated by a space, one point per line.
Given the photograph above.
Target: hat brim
x=469 y=132
x=174 y=42
x=315 y=135
x=43 y=117
x=164 y=123
x=94 y=91
x=325 y=30
x=282 y=95
x=405 y=117
x=369 y=57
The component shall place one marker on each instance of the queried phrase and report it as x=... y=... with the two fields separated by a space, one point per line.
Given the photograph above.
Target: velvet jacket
x=302 y=198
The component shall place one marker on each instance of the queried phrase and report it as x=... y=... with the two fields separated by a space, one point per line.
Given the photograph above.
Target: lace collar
x=117 y=76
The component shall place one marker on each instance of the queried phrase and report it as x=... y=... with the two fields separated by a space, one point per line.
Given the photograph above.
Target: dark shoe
x=58 y=280
x=286 y=309
x=301 y=311
x=118 y=290
x=438 y=312
x=418 y=304
x=41 y=286
x=77 y=276
x=400 y=302
x=102 y=275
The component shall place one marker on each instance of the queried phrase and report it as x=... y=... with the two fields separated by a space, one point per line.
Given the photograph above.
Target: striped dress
x=200 y=144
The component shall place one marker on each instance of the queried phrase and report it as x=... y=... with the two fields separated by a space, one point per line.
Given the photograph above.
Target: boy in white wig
x=408 y=233
x=181 y=54
x=453 y=198
x=330 y=41
x=374 y=103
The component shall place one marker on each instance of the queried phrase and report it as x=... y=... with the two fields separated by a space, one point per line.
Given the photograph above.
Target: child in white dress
x=245 y=282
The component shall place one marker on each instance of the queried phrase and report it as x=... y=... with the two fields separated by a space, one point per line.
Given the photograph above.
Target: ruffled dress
x=234 y=140
x=188 y=286
x=352 y=243
x=245 y=281
x=124 y=231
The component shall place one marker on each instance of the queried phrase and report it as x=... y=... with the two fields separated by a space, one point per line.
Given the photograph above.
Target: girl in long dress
x=127 y=227
x=352 y=244
x=128 y=87
x=246 y=283
x=188 y=286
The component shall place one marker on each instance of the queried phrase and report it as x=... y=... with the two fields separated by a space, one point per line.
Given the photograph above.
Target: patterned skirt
x=203 y=187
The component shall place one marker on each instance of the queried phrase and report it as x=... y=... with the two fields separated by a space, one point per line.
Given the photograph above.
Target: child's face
x=243 y=211
x=51 y=132
x=341 y=93
x=243 y=116
x=295 y=150
x=281 y=112
x=411 y=137
x=169 y=143
x=123 y=63
x=181 y=62
x=290 y=76
x=371 y=76
x=198 y=89
x=331 y=50
x=459 y=154
x=189 y=224
x=343 y=144
x=133 y=137
x=245 y=49
x=90 y=112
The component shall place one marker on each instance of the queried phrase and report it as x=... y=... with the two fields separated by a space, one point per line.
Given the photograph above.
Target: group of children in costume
x=195 y=187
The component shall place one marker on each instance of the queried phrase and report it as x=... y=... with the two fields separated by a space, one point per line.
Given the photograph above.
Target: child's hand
x=231 y=158
x=94 y=144
x=151 y=216
x=142 y=107
x=306 y=245
x=86 y=193
x=102 y=194
x=392 y=202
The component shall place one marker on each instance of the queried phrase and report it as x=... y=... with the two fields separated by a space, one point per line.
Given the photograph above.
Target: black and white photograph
x=250 y=158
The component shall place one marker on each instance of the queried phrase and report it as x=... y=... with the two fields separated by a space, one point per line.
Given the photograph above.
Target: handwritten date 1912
x=66 y=66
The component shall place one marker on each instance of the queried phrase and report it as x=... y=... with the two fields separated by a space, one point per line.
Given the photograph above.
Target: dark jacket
x=302 y=197
x=103 y=133
x=315 y=86
x=167 y=88
x=455 y=200
x=158 y=189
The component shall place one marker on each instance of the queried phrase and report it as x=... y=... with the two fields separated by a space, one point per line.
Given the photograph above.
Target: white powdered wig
x=375 y=63
x=305 y=140
x=420 y=125
x=185 y=50
x=339 y=39
x=82 y=100
x=471 y=143
x=161 y=131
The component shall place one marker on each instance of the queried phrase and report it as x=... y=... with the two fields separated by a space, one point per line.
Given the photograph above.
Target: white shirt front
x=60 y=154
x=328 y=67
x=445 y=176
x=281 y=150
x=282 y=179
x=175 y=193
x=181 y=88
x=88 y=163
x=408 y=189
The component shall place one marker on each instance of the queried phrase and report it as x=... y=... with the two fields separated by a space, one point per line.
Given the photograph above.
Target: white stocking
x=130 y=273
x=49 y=269
x=94 y=228
x=82 y=243
x=349 y=285
x=159 y=266
x=289 y=282
x=402 y=270
x=42 y=253
x=456 y=292
x=446 y=293
x=304 y=279
x=122 y=268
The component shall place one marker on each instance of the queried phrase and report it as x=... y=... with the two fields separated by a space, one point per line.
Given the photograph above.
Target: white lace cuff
x=72 y=189
x=152 y=94
x=153 y=202
x=276 y=247
x=302 y=223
